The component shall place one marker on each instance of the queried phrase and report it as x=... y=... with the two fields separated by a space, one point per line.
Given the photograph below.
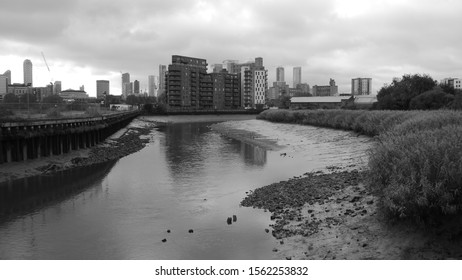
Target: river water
x=189 y=177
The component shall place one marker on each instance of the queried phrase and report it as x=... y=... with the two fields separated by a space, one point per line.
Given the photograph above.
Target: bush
x=418 y=175
x=54 y=113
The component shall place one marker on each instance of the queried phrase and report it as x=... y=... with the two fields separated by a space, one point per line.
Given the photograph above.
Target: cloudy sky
x=87 y=40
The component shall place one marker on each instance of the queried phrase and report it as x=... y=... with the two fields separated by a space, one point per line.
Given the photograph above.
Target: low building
x=74 y=95
x=318 y=102
x=330 y=90
x=365 y=101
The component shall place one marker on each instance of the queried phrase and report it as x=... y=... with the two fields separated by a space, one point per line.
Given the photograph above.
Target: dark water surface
x=187 y=177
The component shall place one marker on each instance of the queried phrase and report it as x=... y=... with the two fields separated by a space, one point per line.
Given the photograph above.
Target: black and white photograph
x=231 y=132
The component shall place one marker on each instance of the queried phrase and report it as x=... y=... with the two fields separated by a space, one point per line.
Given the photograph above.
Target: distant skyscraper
x=280 y=74
x=27 y=67
x=57 y=87
x=102 y=87
x=217 y=68
x=152 y=85
x=125 y=84
x=361 y=86
x=82 y=88
x=297 y=76
x=162 y=72
x=7 y=74
x=3 y=86
x=136 y=87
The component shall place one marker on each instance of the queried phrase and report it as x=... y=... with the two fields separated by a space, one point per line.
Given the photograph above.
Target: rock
x=191 y=231
x=229 y=221
x=288 y=258
x=370 y=202
x=266 y=230
x=234 y=218
x=168 y=230
x=164 y=240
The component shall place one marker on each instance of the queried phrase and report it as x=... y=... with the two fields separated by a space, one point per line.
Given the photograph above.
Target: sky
x=86 y=40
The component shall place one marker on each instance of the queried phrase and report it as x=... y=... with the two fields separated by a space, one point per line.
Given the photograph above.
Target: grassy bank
x=415 y=166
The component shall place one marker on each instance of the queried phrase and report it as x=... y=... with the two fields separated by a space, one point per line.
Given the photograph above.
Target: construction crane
x=44 y=59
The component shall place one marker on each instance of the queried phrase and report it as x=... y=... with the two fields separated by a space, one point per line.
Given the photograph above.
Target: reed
x=415 y=166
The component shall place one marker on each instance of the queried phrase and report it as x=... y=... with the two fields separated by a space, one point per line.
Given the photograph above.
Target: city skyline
x=329 y=39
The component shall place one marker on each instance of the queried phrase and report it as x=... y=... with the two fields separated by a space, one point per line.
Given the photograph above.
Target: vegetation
x=417 y=92
x=415 y=166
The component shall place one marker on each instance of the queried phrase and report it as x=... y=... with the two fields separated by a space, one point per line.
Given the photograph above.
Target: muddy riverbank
x=334 y=216
x=124 y=142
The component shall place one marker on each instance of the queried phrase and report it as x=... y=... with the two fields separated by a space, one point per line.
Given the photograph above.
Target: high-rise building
x=27 y=67
x=280 y=74
x=125 y=84
x=162 y=77
x=254 y=83
x=361 y=86
x=7 y=74
x=136 y=87
x=187 y=84
x=230 y=66
x=152 y=85
x=226 y=90
x=57 y=87
x=297 y=76
x=217 y=68
x=82 y=88
x=3 y=86
x=102 y=88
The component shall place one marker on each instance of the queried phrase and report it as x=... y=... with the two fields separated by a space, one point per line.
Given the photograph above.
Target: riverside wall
x=21 y=141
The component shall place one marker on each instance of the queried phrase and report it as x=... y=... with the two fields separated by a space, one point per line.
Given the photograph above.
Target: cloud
x=329 y=39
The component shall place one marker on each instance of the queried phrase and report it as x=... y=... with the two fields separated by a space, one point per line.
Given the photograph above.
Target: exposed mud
x=334 y=216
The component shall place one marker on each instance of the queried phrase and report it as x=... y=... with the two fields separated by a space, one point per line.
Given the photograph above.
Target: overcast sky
x=86 y=40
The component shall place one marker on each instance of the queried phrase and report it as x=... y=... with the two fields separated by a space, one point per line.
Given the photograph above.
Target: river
x=170 y=200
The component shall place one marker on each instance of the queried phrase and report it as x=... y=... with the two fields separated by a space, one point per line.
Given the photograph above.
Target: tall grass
x=415 y=165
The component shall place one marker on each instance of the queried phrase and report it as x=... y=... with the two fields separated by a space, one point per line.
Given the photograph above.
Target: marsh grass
x=415 y=166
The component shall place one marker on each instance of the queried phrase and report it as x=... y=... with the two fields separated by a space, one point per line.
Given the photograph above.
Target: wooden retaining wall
x=21 y=141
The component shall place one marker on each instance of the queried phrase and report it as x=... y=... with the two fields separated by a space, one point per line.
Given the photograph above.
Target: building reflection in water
x=26 y=195
x=191 y=146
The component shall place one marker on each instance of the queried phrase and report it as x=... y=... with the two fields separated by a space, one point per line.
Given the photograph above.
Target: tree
x=10 y=98
x=132 y=100
x=53 y=99
x=28 y=98
x=399 y=94
x=284 y=102
x=431 y=100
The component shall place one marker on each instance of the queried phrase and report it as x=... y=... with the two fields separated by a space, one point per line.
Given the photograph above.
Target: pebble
x=164 y=240
x=191 y=231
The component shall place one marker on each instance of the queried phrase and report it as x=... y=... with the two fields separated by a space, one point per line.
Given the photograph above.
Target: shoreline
x=126 y=141
x=322 y=216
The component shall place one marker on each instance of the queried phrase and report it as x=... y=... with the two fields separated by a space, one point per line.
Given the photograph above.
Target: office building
x=361 y=86
x=102 y=89
x=57 y=87
x=152 y=86
x=126 y=85
x=27 y=67
x=297 y=76
x=280 y=74
x=7 y=74
x=330 y=90
x=3 y=86
x=162 y=77
x=136 y=87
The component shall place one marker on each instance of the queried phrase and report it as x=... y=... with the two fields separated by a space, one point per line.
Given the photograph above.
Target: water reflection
x=27 y=195
x=190 y=146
